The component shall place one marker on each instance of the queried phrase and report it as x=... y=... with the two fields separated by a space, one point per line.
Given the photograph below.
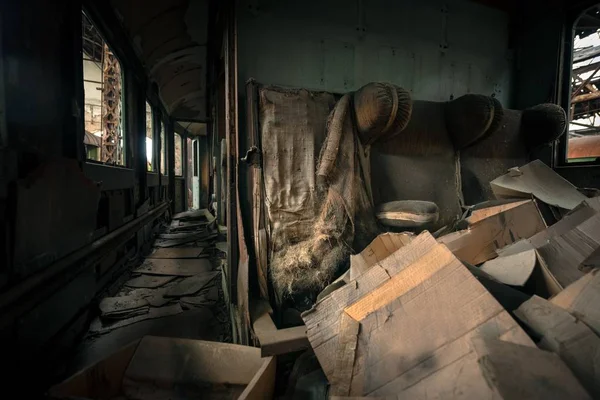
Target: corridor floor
x=174 y=292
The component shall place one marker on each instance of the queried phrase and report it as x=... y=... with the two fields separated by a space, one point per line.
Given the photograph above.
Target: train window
x=178 y=156
x=103 y=98
x=149 y=138
x=195 y=157
x=583 y=143
x=163 y=150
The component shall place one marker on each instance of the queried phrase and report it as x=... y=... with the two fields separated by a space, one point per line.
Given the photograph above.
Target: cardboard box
x=481 y=240
x=160 y=368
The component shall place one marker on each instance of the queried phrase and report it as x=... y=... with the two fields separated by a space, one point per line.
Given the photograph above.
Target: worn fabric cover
x=345 y=221
x=491 y=157
x=419 y=164
x=292 y=125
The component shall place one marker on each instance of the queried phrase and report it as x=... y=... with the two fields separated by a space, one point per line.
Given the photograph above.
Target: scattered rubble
x=170 y=279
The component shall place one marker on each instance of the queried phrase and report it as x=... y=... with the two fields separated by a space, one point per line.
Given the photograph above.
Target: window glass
x=584 y=128
x=149 y=137
x=103 y=98
x=163 y=150
x=195 y=158
x=178 y=155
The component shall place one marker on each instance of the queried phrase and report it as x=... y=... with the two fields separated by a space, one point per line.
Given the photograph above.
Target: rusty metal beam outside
x=31 y=291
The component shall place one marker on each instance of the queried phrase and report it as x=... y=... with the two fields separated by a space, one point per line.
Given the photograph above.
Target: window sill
x=110 y=177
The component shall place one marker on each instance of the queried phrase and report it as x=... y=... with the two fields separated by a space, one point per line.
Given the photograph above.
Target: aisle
x=175 y=292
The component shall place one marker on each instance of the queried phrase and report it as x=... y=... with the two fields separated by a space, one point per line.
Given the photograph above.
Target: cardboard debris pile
x=169 y=368
x=177 y=275
x=421 y=318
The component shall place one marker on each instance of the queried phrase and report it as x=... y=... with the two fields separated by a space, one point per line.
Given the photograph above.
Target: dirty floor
x=175 y=291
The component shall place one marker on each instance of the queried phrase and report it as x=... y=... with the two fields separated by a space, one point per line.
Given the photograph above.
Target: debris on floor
x=421 y=318
x=170 y=280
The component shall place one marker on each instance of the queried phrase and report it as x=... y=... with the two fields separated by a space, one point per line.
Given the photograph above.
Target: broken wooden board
x=206 y=297
x=174 y=267
x=514 y=269
x=522 y=372
x=481 y=240
x=183 y=252
x=182 y=235
x=149 y=281
x=581 y=299
x=421 y=293
x=200 y=240
x=380 y=248
x=570 y=338
x=122 y=307
x=192 y=285
x=275 y=341
x=98 y=327
x=158 y=299
x=482 y=213
x=221 y=246
x=539 y=180
x=202 y=214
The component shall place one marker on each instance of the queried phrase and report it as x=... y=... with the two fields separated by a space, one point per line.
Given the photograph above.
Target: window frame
x=125 y=92
x=572 y=17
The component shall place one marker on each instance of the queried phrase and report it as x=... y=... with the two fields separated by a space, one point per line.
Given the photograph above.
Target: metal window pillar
x=170 y=148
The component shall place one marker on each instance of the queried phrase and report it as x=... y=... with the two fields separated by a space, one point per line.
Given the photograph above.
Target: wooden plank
x=480 y=242
x=483 y=213
x=514 y=269
x=182 y=235
x=256 y=177
x=522 y=372
x=275 y=341
x=174 y=267
x=243 y=280
x=149 y=281
x=576 y=344
x=183 y=252
x=203 y=215
x=200 y=238
x=99 y=327
x=123 y=307
x=581 y=299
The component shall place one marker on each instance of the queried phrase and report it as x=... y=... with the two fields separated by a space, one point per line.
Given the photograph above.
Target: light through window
x=103 y=98
x=584 y=127
x=149 y=136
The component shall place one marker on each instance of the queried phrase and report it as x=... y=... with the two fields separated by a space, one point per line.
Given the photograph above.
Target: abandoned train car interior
x=278 y=199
